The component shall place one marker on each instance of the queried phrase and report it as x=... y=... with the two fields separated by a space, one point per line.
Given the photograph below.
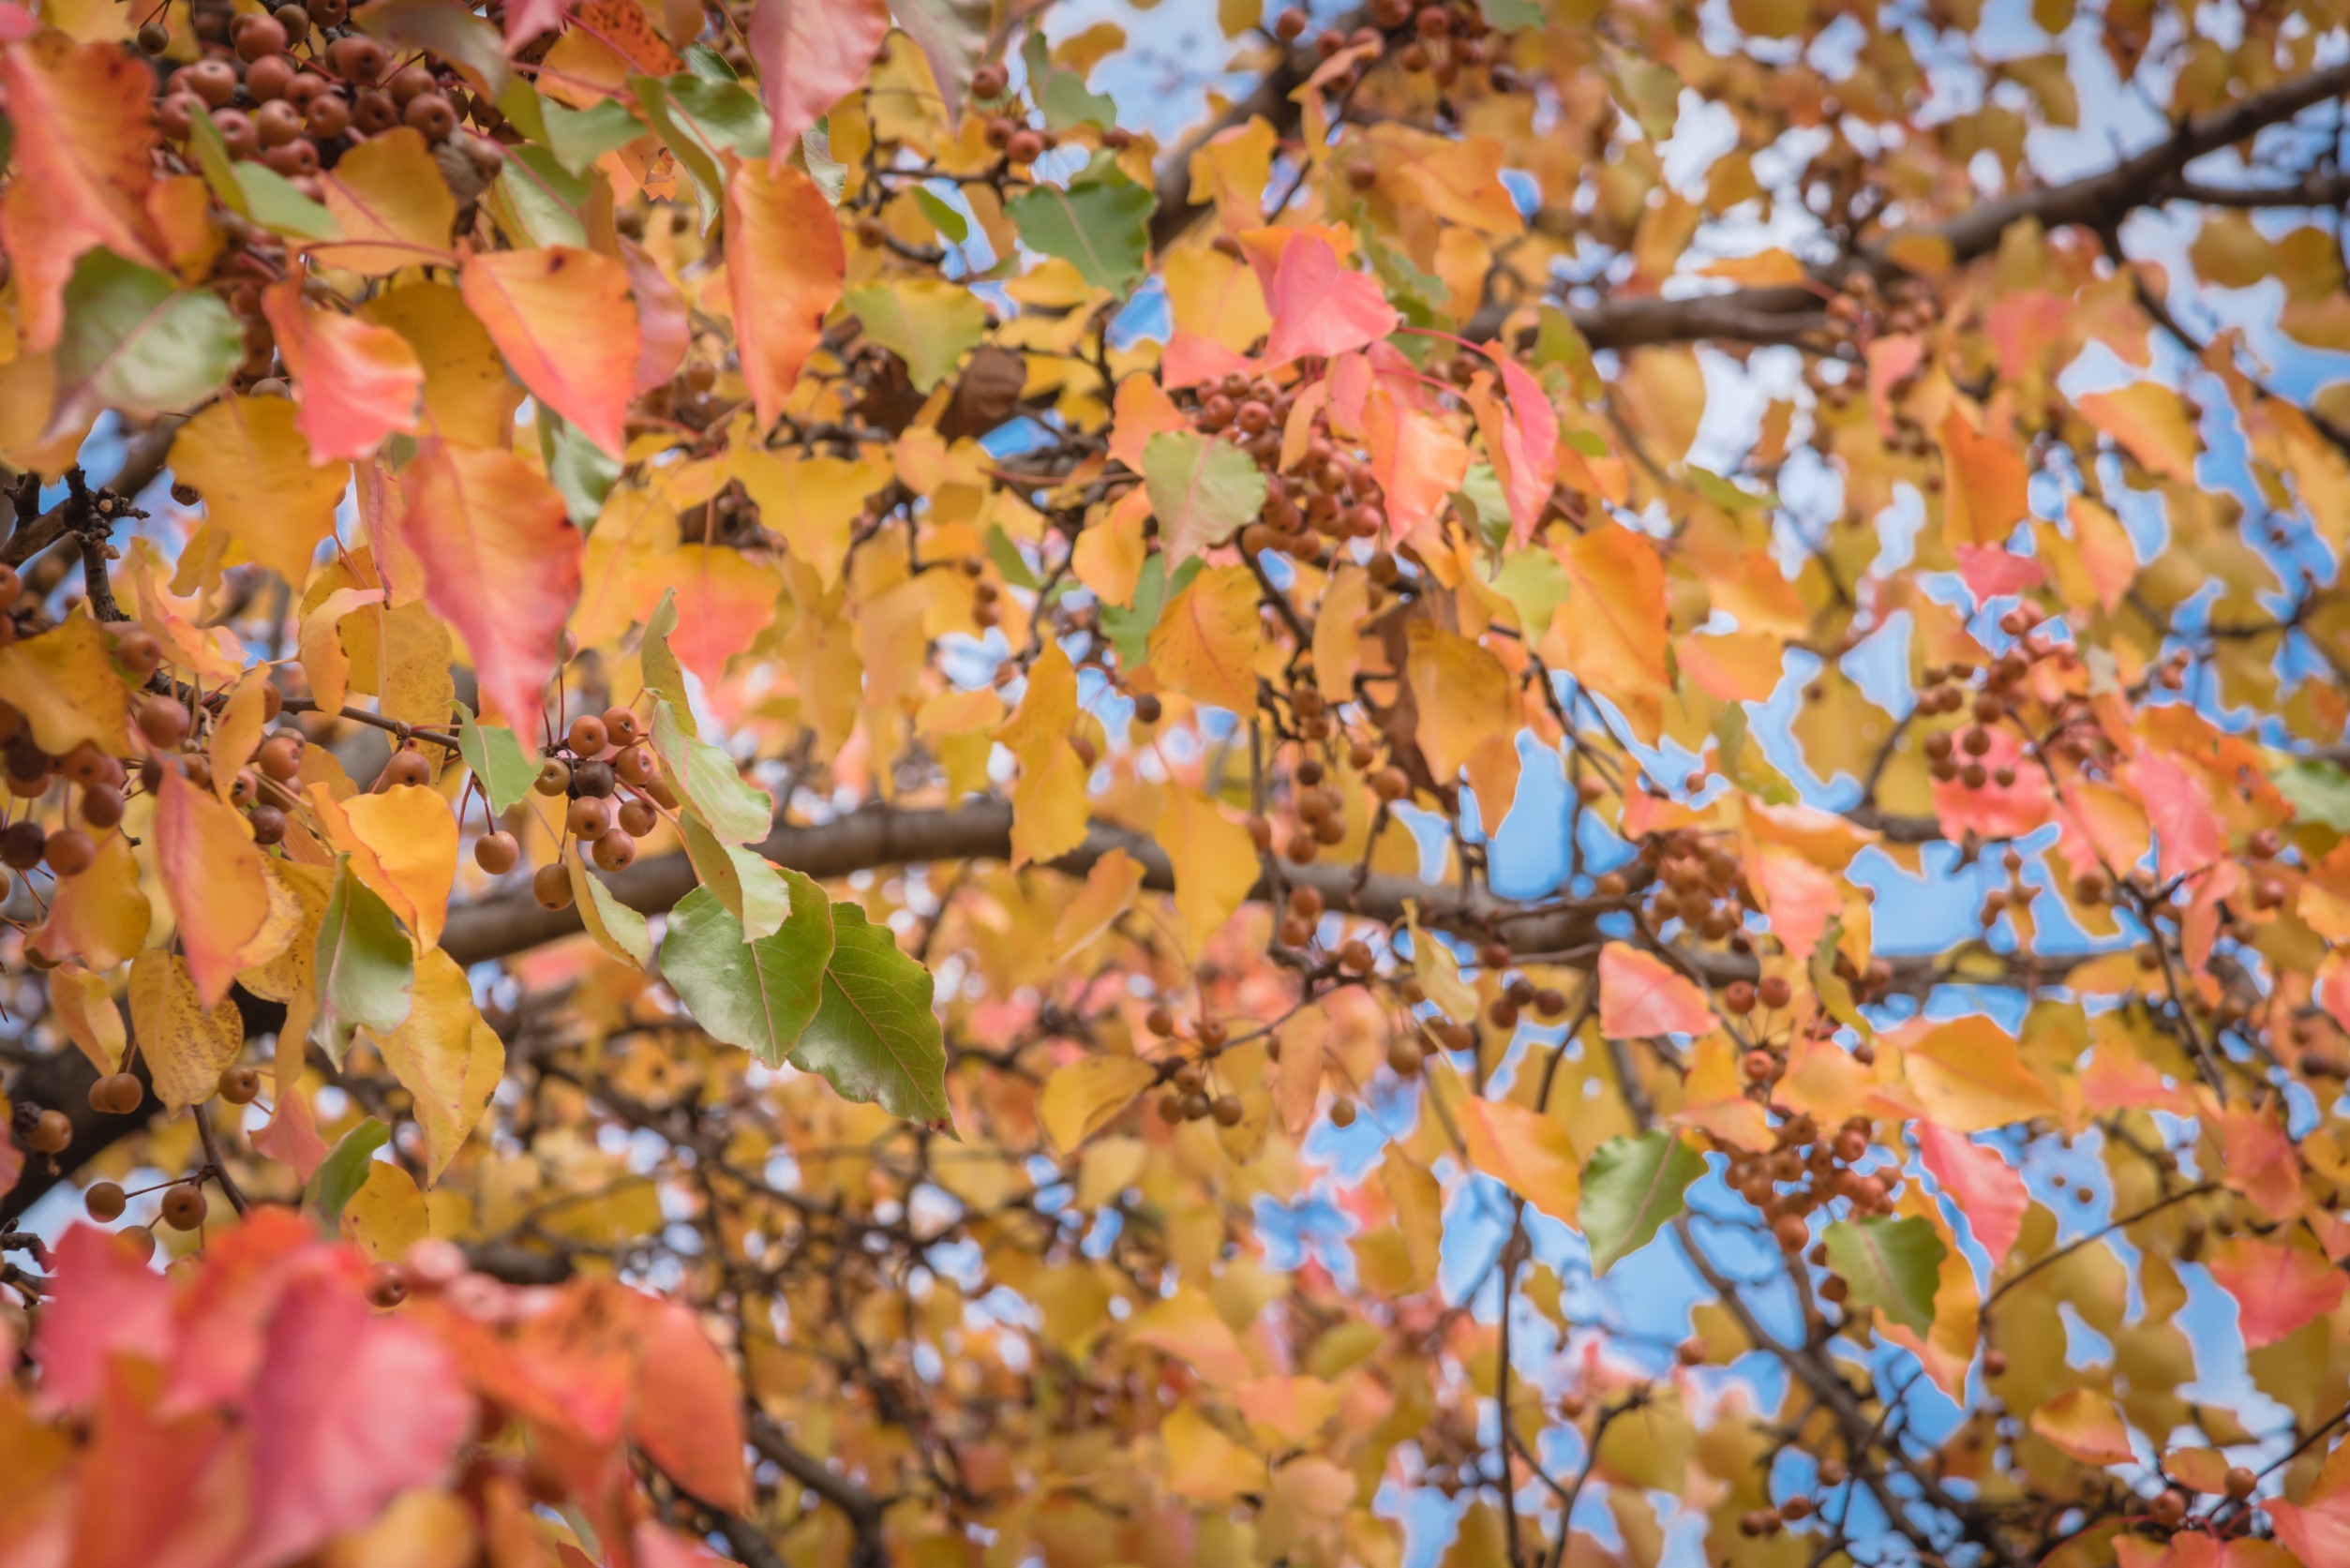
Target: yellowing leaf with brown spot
x=566 y=322
x=2150 y=421
x=1610 y=633
x=1214 y=862
x=185 y=1043
x=387 y=1214
x=1083 y=1097
x=64 y=683
x=212 y=874
x=1985 y=486
x=402 y=844
x=1526 y=1151
x=100 y=917
x=253 y=468
x=395 y=208
x=444 y=1056
x=1206 y=643
x=1109 y=890
x=1969 y=1076
x=2084 y=1424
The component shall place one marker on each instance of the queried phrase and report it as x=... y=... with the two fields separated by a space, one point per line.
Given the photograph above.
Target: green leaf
x=1129 y=626
x=344 y=1171
x=538 y=200
x=1203 y=490
x=217 y=167
x=734 y=808
x=1061 y=93
x=874 y=1037
x=580 y=471
x=664 y=676
x=1007 y=559
x=1536 y=585
x=137 y=342
x=1481 y=497
x=1559 y=342
x=271 y=201
x=746 y=882
x=929 y=322
x=619 y=930
x=757 y=994
x=1100 y=224
x=1507 y=16
x=1725 y=494
x=1894 y=1265
x=942 y=214
x=495 y=755
x=702 y=116
x=2319 y=792
x=1631 y=1187
x=578 y=136
x=367 y=966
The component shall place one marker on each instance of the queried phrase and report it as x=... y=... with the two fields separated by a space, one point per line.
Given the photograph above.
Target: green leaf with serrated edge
x=1631 y=1187
x=344 y=1171
x=494 y=753
x=367 y=966
x=1895 y=1265
x=135 y=341
x=665 y=677
x=746 y=882
x=1100 y=225
x=619 y=930
x=1061 y=93
x=2318 y=792
x=757 y=994
x=1202 y=490
x=705 y=778
x=874 y=1037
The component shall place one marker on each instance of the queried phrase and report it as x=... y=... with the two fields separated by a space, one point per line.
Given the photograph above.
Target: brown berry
x=239 y=1084
x=551 y=886
x=104 y=1202
x=163 y=722
x=614 y=851
x=586 y=736
x=53 y=1132
x=183 y=1207
x=69 y=852
x=497 y=853
x=407 y=769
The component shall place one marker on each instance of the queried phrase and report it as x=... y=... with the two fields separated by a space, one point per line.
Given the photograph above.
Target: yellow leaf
x=1110 y=888
x=395 y=208
x=447 y=1058
x=1611 y=632
x=1217 y=297
x=1230 y=170
x=1338 y=638
x=1215 y=863
x=253 y=468
x=237 y=732
x=1202 y=1464
x=1526 y=1151
x=2150 y=421
x=468 y=397
x=185 y=1043
x=100 y=917
x=1206 y=643
x=1969 y=1076
x=386 y=1216
x=64 y=683
x=1187 y=1326
x=1464 y=694
x=813 y=502
x=2087 y=1425
x=85 y=1004
x=402 y=844
x=1085 y=1096
x=1108 y=555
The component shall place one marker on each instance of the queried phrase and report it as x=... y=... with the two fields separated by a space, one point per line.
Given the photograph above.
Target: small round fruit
x=588 y=736
x=497 y=853
x=551 y=887
x=117 y=1094
x=163 y=722
x=387 y=1286
x=1227 y=1110
x=620 y=727
x=589 y=818
x=356 y=57
x=634 y=765
x=1025 y=146
x=1342 y=1113
x=239 y=1083
x=104 y=1202
x=614 y=851
x=257 y=37
x=409 y=83
x=154 y=38
x=637 y=817
x=406 y=766
x=280 y=756
x=52 y=1133
x=989 y=81
x=593 y=777
x=268 y=824
x=101 y=806
x=554 y=777
x=21 y=844
x=431 y=113
x=328 y=115
x=183 y=1207
x=70 y=852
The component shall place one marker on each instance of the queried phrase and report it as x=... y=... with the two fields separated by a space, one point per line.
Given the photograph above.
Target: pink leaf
x=1997 y=810
x=660 y=318
x=1992 y=571
x=810 y=54
x=1984 y=1187
x=1190 y=359
x=688 y=1415
x=106 y=1301
x=1321 y=308
x=349 y=1410
x=1797 y=895
x=2186 y=830
x=527 y=19
x=359 y=383
x=1640 y=995
x=2277 y=1288
x=1530 y=445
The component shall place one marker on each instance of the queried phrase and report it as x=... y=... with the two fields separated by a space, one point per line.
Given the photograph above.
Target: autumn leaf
x=1642 y=995
x=784 y=270
x=810 y=54
x=1630 y=1188
x=1202 y=490
x=1085 y=1096
x=359 y=383
x=251 y=462
x=1206 y=643
x=387 y=197
x=1891 y=1265
x=1983 y=485
x=873 y=1036
x=566 y=322
x=1320 y=308
x=2086 y=1426
x=1985 y=1187
x=1526 y=1151
x=212 y=874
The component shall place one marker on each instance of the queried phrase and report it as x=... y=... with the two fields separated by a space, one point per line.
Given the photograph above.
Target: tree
x=770 y=796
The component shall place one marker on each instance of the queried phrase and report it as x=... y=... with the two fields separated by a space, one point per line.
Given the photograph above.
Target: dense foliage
x=1562 y=783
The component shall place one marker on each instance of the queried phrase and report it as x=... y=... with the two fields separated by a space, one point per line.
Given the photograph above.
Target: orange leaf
x=1970 y=1077
x=689 y=1410
x=1206 y=643
x=784 y=268
x=1464 y=696
x=2150 y=421
x=501 y=566
x=1611 y=635
x=1985 y=491
x=402 y=843
x=358 y=382
x=1642 y=995
x=1524 y=1150
x=212 y=874
x=2277 y=1288
x=811 y=54
x=566 y=323
x=2084 y=1424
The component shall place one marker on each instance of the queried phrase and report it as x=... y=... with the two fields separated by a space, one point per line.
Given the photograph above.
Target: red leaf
x=660 y=321
x=2259 y=1160
x=1984 y=1187
x=359 y=383
x=785 y=264
x=1190 y=359
x=811 y=54
x=2277 y=1288
x=689 y=1408
x=223 y=1311
x=349 y=1410
x=566 y=323
x=527 y=19
x=1992 y=571
x=176 y=1497
x=1416 y=461
x=1524 y=445
x=1321 y=308
x=105 y=1302
x=501 y=566
x=1995 y=811
x=1640 y=995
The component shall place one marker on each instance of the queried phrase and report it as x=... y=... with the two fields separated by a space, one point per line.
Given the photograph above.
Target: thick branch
x=861 y=1508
